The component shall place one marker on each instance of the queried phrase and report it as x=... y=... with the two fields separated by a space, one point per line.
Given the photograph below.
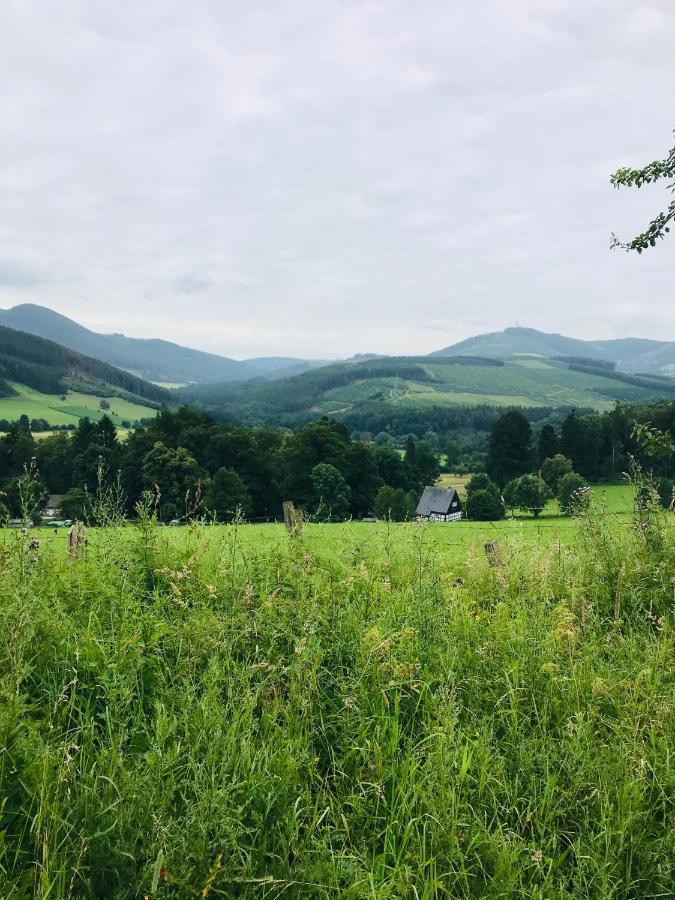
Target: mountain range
x=165 y=362
x=149 y=358
x=629 y=354
x=44 y=366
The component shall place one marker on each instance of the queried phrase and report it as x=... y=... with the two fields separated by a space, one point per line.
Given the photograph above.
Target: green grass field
x=359 y=711
x=76 y=406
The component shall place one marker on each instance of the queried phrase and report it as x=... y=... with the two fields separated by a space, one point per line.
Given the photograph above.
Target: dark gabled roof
x=436 y=500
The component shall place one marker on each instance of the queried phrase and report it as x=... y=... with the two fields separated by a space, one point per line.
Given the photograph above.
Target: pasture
x=71 y=409
x=358 y=711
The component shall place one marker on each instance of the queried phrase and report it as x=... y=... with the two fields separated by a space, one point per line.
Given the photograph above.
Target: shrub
x=554 y=468
x=568 y=495
x=484 y=506
x=666 y=491
x=481 y=482
x=529 y=492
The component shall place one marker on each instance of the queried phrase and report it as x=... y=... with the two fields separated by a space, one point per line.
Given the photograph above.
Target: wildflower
x=565 y=630
x=640 y=766
x=264 y=666
x=372 y=636
x=34 y=544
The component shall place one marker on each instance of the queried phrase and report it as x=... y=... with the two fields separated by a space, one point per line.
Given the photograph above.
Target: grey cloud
x=17 y=275
x=335 y=177
x=193 y=283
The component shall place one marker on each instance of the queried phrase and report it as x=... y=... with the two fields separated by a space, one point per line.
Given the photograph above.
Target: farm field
x=359 y=711
x=454 y=542
x=520 y=382
x=37 y=405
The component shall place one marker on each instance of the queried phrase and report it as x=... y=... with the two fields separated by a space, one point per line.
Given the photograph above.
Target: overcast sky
x=324 y=177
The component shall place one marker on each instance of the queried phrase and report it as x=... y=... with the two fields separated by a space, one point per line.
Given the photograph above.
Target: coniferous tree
x=547 y=445
x=510 y=448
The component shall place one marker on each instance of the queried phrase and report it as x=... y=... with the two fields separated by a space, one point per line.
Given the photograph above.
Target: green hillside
x=419 y=383
x=69 y=410
x=149 y=358
x=628 y=354
x=42 y=380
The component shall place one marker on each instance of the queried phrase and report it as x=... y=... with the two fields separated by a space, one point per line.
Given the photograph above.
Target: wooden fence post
x=76 y=541
x=293 y=517
x=493 y=551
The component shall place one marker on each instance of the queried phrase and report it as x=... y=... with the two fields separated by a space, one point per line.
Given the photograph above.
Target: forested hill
x=46 y=366
x=149 y=358
x=628 y=354
x=379 y=393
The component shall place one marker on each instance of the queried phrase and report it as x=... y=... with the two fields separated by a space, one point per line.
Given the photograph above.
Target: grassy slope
x=69 y=411
x=520 y=383
x=227 y=713
x=414 y=384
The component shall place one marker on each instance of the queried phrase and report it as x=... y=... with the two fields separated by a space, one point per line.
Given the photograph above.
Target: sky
x=325 y=177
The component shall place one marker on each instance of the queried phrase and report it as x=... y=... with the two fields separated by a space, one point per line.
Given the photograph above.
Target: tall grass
x=218 y=719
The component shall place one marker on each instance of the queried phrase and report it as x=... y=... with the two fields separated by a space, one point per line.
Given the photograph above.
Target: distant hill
x=272 y=367
x=48 y=368
x=151 y=359
x=629 y=354
x=377 y=390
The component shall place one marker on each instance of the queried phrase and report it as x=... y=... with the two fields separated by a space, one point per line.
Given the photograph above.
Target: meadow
x=357 y=710
x=71 y=409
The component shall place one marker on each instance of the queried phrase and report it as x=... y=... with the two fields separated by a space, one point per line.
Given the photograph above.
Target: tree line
x=194 y=465
x=524 y=471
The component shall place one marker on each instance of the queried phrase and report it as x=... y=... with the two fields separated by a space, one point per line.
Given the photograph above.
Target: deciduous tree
x=659 y=170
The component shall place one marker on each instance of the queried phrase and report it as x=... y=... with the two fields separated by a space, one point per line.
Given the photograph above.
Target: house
x=52 y=508
x=439 y=505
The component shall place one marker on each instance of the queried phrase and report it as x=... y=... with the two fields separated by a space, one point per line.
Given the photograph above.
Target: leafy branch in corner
x=659 y=226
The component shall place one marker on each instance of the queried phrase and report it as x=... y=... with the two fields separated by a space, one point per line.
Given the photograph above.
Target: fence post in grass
x=293 y=518
x=493 y=552
x=617 y=594
x=76 y=541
